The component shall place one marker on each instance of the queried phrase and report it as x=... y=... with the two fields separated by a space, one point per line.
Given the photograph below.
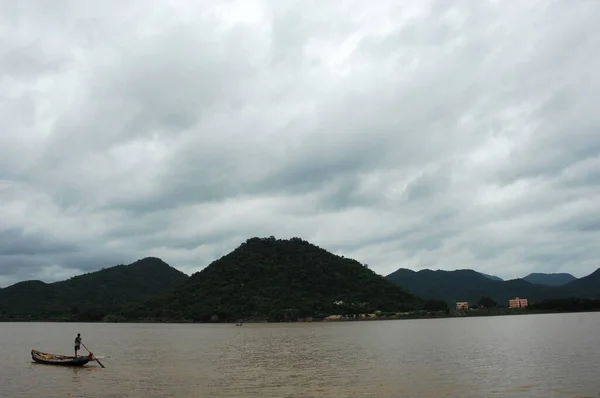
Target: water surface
x=512 y=356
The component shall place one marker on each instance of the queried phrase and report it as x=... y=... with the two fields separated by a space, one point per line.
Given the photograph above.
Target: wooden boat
x=61 y=360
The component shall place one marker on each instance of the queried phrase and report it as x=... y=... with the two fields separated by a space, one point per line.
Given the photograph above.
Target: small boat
x=61 y=360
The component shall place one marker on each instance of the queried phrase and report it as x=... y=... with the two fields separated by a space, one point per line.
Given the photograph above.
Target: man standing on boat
x=77 y=343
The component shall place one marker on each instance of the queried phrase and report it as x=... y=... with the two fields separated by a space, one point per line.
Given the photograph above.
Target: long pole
x=97 y=360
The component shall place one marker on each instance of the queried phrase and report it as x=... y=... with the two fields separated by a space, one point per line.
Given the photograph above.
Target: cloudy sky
x=416 y=134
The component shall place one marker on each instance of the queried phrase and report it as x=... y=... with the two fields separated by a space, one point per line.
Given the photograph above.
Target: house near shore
x=462 y=305
x=517 y=303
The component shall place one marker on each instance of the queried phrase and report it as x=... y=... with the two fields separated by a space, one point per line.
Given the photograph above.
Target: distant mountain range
x=272 y=279
x=492 y=277
x=538 y=278
x=470 y=285
x=89 y=296
x=549 y=279
x=263 y=279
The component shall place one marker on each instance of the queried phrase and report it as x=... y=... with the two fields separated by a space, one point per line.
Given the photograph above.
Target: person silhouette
x=77 y=343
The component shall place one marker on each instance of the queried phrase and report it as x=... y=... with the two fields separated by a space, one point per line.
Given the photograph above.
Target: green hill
x=270 y=279
x=89 y=296
x=493 y=277
x=586 y=287
x=469 y=285
x=558 y=279
x=459 y=285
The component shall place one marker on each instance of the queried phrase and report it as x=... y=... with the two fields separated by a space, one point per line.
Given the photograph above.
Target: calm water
x=515 y=356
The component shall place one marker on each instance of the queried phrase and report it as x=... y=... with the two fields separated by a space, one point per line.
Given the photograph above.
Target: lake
x=556 y=355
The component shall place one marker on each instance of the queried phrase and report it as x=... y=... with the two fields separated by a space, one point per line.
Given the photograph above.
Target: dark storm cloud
x=414 y=134
x=16 y=242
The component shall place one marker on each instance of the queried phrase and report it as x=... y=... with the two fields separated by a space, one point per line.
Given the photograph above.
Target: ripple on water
x=533 y=356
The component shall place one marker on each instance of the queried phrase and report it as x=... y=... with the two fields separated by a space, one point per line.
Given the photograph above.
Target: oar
x=97 y=360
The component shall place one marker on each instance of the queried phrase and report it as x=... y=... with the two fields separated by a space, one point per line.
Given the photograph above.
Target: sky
x=414 y=134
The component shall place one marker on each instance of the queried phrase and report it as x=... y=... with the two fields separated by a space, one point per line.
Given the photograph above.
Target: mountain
x=277 y=279
x=549 y=279
x=463 y=285
x=450 y=286
x=586 y=287
x=89 y=296
x=469 y=285
x=492 y=277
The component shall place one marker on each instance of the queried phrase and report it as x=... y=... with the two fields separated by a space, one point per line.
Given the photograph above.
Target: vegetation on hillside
x=270 y=279
x=91 y=296
x=586 y=287
x=493 y=277
x=570 y=304
x=435 y=306
x=278 y=280
x=558 y=279
x=487 y=302
x=469 y=285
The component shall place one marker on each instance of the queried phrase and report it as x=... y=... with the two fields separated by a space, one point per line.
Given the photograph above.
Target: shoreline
x=443 y=315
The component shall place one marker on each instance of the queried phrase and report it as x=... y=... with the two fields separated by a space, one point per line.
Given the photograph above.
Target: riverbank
x=486 y=312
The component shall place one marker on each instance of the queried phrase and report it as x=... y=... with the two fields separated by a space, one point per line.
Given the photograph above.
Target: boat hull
x=58 y=360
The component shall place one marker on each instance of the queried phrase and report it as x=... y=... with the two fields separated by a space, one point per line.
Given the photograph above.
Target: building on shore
x=517 y=303
x=462 y=305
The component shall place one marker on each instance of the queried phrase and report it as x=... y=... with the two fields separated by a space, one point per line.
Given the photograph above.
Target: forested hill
x=493 y=277
x=558 y=279
x=266 y=278
x=588 y=286
x=469 y=285
x=459 y=285
x=89 y=296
